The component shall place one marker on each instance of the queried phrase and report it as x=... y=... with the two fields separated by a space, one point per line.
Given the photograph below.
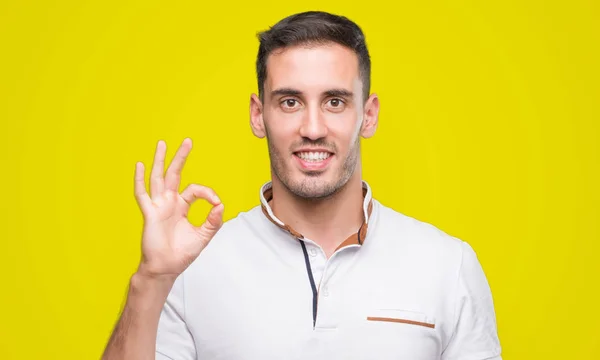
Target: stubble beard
x=311 y=186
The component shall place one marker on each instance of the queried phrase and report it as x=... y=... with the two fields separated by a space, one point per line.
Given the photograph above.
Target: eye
x=336 y=104
x=289 y=104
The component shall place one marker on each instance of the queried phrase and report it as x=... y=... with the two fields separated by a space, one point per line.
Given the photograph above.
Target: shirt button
x=326 y=292
x=313 y=252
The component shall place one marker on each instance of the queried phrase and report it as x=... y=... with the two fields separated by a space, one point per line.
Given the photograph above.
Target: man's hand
x=170 y=243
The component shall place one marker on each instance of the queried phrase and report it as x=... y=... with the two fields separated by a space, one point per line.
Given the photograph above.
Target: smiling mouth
x=313 y=157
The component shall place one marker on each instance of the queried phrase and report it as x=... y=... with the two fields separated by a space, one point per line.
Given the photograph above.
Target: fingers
x=158 y=167
x=195 y=191
x=173 y=175
x=214 y=220
x=140 y=193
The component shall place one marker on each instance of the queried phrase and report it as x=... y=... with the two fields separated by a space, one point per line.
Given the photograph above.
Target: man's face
x=312 y=113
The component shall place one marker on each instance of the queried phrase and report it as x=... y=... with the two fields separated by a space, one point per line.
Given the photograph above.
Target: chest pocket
x=389 y=333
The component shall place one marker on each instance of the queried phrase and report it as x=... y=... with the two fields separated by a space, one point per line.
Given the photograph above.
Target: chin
x=313 y=186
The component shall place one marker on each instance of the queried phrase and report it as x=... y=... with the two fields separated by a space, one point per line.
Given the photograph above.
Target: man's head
x=313 y=72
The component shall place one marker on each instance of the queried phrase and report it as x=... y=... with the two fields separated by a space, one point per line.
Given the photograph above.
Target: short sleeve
x=174 y=340
x=475 y=335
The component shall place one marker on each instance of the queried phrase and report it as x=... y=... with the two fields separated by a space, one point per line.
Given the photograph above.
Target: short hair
x=314 y=28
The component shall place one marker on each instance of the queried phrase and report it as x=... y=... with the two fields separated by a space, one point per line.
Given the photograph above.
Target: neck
x=328 y=221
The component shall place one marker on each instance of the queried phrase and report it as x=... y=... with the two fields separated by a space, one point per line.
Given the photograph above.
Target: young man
x=320 y=270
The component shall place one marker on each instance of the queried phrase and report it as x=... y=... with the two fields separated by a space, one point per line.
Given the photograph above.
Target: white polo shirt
x=398 y=289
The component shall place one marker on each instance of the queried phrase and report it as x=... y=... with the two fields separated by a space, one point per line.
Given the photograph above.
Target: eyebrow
x=286 y=92
x=339 y=93
x=328 y=93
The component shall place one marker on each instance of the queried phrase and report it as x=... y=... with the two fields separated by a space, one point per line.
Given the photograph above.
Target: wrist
x=149 y=272
x=149 y=292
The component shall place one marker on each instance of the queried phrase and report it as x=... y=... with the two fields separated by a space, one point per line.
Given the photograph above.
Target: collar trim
x=266 y=194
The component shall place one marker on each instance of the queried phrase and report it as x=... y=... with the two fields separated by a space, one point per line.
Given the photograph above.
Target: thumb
x=213 y=222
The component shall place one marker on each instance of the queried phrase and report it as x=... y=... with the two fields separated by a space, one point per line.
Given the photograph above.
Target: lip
x=313 y=166
x=313 y=150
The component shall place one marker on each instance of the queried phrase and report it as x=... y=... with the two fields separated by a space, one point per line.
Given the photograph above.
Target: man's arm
x=134 y=337
x=475 y=335
x=170 y=243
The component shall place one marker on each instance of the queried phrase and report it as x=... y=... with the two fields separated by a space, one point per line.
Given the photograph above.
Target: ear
x=256 y=117
x=370 y=117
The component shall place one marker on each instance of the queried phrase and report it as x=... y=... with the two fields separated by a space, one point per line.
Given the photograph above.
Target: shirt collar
x=266 y=194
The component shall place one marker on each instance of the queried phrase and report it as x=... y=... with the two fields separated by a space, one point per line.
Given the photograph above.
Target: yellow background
x=488 y=129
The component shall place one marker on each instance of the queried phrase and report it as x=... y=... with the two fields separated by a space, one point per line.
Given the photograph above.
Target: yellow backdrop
x=489 y=130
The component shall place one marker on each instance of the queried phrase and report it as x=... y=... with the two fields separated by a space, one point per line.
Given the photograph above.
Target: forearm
x=134 y=337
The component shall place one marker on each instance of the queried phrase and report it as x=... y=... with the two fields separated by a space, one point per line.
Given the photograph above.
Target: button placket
x=326 y=312
x=317 y=263
x=323 y=271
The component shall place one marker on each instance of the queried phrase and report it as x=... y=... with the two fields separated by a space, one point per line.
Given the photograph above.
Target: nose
x=313 y=126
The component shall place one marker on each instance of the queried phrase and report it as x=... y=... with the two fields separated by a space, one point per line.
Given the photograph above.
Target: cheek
x=281 y=122
x=281 y=133
x=345 y=130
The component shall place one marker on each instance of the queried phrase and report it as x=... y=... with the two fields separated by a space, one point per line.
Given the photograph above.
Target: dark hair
x=314 y=28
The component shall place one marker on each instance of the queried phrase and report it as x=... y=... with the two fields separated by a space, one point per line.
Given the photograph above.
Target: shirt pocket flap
x=401 y=316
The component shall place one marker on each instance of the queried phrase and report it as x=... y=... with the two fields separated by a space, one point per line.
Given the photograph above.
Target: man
x=320 y=270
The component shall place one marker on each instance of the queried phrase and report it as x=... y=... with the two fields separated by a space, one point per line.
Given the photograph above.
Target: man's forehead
x=313 y=68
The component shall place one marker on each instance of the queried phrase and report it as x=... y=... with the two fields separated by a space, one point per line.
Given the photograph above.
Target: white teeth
x=313 y=156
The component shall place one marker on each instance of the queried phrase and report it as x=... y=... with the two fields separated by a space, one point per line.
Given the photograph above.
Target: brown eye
x=336 y=105
x=289 y=103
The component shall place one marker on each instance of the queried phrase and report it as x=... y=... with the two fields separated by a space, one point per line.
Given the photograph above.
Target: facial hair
x=311 y=186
